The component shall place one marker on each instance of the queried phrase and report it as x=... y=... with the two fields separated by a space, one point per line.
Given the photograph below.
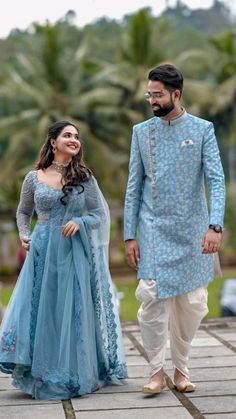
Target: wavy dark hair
x=76 y=172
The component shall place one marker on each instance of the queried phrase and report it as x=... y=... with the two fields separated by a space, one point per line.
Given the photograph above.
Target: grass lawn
x=5 y=294
x=129 y=304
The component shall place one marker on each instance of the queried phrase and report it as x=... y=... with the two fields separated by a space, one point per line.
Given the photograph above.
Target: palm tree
x=224 y=107
x=140 y=50
x=58 y=82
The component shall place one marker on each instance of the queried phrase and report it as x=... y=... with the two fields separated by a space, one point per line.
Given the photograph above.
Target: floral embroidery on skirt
x=8 y=341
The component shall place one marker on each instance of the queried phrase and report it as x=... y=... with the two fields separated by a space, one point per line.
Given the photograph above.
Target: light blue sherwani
x=165 y=205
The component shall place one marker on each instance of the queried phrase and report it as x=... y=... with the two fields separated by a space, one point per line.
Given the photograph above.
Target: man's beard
x=164 y=110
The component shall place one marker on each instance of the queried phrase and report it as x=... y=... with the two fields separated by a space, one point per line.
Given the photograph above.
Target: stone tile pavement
x=212 y=368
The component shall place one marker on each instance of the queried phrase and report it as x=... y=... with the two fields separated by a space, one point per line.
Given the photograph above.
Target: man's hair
x=168 y=75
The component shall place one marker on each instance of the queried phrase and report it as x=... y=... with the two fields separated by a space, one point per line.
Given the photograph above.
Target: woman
x=60 y=337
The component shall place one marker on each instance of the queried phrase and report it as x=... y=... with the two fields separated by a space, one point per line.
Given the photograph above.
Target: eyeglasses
x=156 y=95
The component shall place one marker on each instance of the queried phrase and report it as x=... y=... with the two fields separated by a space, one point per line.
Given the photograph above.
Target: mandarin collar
x=176 y=120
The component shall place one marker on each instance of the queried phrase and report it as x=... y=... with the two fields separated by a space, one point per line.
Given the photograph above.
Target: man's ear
x=177 y=94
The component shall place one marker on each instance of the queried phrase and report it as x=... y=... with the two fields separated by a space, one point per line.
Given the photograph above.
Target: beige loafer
x=185 y=386
x=153 y=387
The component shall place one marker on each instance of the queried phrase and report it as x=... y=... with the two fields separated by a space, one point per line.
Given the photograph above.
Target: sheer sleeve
x=26 y=206
x=96 y=209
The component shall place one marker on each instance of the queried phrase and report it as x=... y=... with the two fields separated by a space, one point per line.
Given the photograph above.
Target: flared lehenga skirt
x=50 y=340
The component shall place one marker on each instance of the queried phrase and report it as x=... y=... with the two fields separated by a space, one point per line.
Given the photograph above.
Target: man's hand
x=70 y=228
x=211 y=242
x=132 y=253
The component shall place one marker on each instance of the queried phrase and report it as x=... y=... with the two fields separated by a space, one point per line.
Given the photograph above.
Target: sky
x=20 y=14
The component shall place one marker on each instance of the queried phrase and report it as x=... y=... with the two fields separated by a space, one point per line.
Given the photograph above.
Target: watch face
x=216 y=227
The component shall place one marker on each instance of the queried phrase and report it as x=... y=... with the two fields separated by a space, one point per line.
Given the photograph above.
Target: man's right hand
x=132 y=253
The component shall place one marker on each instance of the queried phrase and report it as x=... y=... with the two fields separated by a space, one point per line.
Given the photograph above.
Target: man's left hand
x=211 y=242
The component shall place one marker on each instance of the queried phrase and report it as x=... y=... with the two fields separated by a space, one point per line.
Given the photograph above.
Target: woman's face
x=67 y=143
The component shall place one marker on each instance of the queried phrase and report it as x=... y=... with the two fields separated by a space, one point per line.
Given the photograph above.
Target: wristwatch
x=216 y=227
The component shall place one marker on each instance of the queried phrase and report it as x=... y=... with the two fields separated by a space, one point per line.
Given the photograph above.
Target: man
x=170 y=238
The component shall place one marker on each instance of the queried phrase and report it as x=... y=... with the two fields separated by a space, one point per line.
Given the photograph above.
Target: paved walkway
x=212 y=368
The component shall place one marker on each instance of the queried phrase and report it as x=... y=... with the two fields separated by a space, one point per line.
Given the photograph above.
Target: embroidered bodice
x=45 y=201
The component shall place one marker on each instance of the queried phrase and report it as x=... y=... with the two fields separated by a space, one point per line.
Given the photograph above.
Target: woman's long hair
x=76 y=172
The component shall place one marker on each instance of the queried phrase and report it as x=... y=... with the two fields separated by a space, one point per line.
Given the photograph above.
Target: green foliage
x=129 y=304
x=206 y=21
x=214 y=294
x=5 y=295
x=136 y=48
x=103 y=39
x=229 y=243
x=51 y=55
x=225 y=44
x=6 y=270
x=57 y=82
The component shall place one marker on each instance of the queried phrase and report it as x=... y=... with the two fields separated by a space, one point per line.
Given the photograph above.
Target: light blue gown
x=61 y=336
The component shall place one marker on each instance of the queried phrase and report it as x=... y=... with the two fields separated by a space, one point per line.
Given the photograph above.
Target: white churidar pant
x=183 y=314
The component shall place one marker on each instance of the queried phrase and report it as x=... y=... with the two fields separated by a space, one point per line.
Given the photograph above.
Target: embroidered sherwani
x=165 y=206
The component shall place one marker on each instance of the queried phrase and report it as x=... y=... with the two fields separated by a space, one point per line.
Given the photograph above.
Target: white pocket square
x=186 y=142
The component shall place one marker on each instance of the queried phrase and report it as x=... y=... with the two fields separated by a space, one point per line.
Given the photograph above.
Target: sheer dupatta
x=95 y=233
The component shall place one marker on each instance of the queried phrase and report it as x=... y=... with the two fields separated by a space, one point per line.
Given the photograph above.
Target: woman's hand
x=70 y=228
x=25 y=243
